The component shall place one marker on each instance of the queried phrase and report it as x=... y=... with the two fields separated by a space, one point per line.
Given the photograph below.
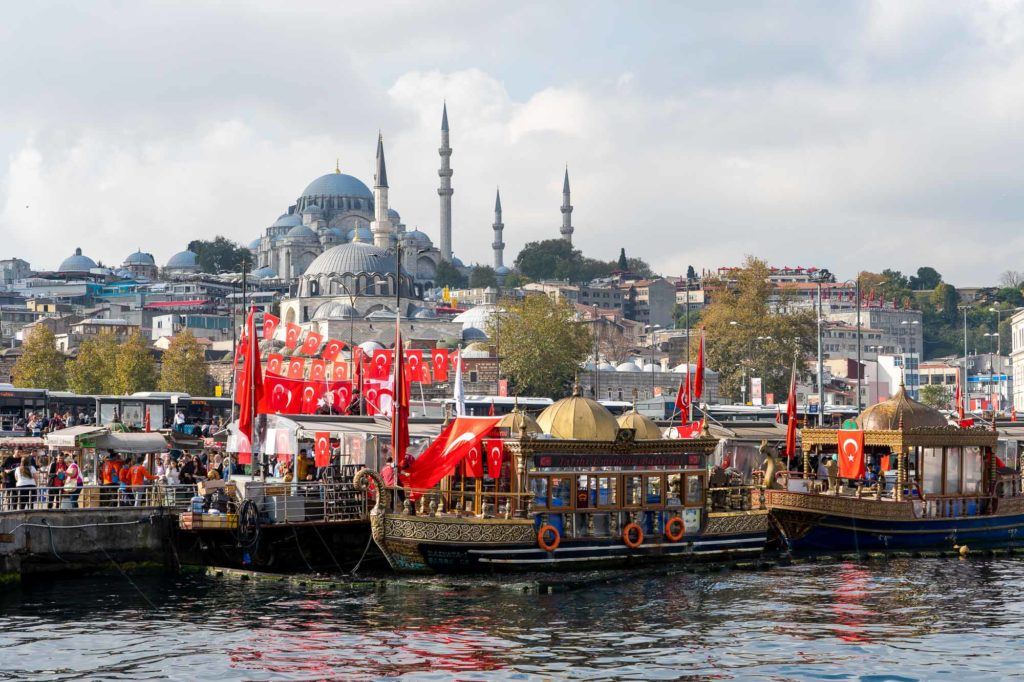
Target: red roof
x=191 y=303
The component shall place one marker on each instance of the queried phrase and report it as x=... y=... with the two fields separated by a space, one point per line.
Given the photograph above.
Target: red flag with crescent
x=331 y=350
x=296 y=367
x=495 y=448
x=851 y=454
x=292 y=332
x=339 y=396
x=698 y=372
x=312 y=391
x=414 y=363
x=274 y=363
x=446 y=452
x=317 y=370
x=439 y=363
x=280 y=395
x=473 y=462
x=381 y=363
x=312 y=343
x=340 y=371
x=270 y=323
x=322 y=448
x=357 y=354
x=424 y=377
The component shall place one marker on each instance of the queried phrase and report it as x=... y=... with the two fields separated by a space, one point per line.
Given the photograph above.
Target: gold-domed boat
x=944 y=486
x=575 y=489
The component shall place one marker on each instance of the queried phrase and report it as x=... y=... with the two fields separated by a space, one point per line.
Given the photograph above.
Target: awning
x=70 y=437
x=22 y=442
x=749 y=431
x=129 y=442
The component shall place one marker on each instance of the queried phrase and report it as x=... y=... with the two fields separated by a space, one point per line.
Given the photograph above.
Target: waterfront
x=906 y=619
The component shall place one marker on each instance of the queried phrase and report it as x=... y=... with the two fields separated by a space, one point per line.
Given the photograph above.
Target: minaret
x=445 y=190
x=498 y=245
x=566 y=210
x=381 y=225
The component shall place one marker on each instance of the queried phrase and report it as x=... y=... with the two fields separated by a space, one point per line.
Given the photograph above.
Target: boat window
x=561 y=491
x=973 y=466
x=606 y=490
x=652 y=490
x=694 y=490
x=674 y=490
x=539 y=488
x=953 y=471
x=584 y=492
x=633 y=491
x=931 y=470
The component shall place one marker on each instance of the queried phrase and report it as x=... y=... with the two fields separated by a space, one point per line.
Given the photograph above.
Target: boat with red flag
x=575 y=488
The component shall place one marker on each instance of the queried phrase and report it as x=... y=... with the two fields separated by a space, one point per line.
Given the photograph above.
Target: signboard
x=637 y=461
x=756 y=396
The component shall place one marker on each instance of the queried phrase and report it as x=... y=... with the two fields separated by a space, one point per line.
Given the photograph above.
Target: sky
x=843 y=135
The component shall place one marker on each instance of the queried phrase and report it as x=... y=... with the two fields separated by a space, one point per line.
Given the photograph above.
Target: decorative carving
x=887 y=510
x=731 y=523
x=460 y=531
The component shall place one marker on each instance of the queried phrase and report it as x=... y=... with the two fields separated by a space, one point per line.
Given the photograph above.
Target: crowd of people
x=38 y=424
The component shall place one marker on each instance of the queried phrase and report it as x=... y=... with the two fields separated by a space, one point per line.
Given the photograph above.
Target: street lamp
x=991 y=370
x=651 y=328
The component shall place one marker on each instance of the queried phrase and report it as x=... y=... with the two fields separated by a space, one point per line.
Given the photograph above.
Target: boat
x=944 y=489
x=576 y=489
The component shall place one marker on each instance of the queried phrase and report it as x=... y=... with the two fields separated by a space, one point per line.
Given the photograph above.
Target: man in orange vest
x=110 y=478
x=138 y=476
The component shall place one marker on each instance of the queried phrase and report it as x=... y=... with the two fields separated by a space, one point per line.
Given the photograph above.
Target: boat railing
x=435 y=501
x=91 y=496
x=308 y=501
x=735 y=498
x=954 y=506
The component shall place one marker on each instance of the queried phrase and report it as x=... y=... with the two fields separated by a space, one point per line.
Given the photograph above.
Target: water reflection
x=915 y=619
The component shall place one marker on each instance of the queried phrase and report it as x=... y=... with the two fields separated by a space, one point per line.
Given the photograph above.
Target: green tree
x=542 y=345
x=41 y=365
x=935 y=395
x=483 y=276
x=447 y=275
x=184 y=366
x=514 y=280
x=220 y=255
x=944 y=298
x=745 y=336
x=134 y=367
x=93 y=370
x=691 y=274
x=623 y=264
x=548 y=259
x=638 y=266
x=926 y=278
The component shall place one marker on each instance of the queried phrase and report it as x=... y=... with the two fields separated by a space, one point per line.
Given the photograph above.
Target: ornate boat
x=576 y=489
x=945 y=487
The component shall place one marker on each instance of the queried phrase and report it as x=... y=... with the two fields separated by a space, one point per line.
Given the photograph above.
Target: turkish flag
x=357 y=354
x=698 y=372
x=312 y=343
x=317 y=370
x=311 y=394
x=424 y=377
x=274 y=362
x=270 y=323
x=291 y=335
x=296 y=367
x=339 y=396
x=683 y=395
x=413 y=362
x=280 y=394
x=378 y=395
x=331 y=350
x=473 y=462
x=381 y=363
x=495 y=449
x=851 y=454
x=691 y=430
x=322 y=448
x=439 y=361
x=339 y=371
x=447 y=451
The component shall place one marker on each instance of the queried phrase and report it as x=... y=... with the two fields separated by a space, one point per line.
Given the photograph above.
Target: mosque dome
x=393 y=216
x=418 y=239
x=370 y=346
x=473 y=334
x=335 y=232
x=644 y=426
x=606 y=367
x=77 y=263
x=353 y=258
x=139 y=258
x=578 y=418
x=476 y=317
x=312 y=209
x=364 y=233
x=337 y=184
x=476 y=350
x=301 y=232
x=516 y=421
x=184 y=260
x=627 y=367
x=900 y=412
x=335 y=310
x=254 y=245
x=651 y=367
x=288 y=220
x=424 y=314
x=502 y=270
x=263 y=273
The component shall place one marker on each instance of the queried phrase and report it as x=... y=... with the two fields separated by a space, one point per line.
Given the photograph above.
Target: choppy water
x=913 y=619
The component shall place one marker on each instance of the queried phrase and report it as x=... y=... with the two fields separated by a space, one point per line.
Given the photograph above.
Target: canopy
x=371 y=427
x=130 y=442
x=71 y=436
x=21 y=442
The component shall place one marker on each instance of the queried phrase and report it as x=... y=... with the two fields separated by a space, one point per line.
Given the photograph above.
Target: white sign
x=756 y=396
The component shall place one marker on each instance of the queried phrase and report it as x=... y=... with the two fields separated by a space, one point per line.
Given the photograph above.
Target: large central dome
x=354 y=258
x=337 y=185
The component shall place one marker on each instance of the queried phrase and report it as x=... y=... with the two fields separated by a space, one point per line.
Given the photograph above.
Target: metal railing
x=308 y=501
x=735 y=498
x=96 y=496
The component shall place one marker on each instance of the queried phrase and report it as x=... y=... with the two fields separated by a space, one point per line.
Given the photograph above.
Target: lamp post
x=991 y=371
x=649 y=329
x=964 y=391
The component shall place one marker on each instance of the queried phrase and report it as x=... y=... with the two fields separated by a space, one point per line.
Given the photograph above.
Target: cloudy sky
x=835 y=134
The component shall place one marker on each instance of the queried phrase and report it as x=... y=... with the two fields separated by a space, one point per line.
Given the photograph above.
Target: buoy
x=962 y=549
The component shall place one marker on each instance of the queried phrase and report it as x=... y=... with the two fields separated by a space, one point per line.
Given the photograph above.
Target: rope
x=298 y=546
x=328 y=548
x=355 y=569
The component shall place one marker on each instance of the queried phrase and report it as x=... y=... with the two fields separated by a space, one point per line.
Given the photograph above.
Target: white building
x=1017 y=358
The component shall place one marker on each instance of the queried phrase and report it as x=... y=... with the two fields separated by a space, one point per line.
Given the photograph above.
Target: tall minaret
x=566 y=210
x=498 y=245
x=445 y=190
x=381 y=225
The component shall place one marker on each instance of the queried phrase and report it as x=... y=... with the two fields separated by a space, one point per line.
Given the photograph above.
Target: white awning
x=70 y=437
x=130 y=442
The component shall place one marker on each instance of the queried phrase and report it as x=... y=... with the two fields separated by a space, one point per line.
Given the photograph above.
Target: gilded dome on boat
x=515 y=421
x=644 y=426
x=900 y=411
x=578 y=418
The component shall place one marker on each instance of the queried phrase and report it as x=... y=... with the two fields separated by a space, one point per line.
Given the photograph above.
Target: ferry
x=574 y=489
x=938 y=486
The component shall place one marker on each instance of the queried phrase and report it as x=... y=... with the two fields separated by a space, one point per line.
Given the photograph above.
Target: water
x=913 y=619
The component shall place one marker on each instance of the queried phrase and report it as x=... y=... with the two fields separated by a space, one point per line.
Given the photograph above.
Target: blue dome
x=184 y=259
x=337 y=185
x=288 y=220
x=418 y=238
x=365 y=235
x=301 y=232
x=264 y=273
x=352 y=259
x=335 y=232
x=77 y=263
x=502 y=270
x=393 y=216
x=140 y=258
x=254 y=245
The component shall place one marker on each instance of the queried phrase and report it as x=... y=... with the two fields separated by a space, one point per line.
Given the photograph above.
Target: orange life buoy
x=542 y=541
x=627 y=535
x=674 y=529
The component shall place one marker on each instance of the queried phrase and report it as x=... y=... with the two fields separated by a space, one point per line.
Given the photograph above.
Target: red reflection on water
x=847 y=605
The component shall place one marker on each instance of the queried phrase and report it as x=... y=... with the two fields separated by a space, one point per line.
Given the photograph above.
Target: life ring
x=674 y=529
x=542 y=541
x=627 y=534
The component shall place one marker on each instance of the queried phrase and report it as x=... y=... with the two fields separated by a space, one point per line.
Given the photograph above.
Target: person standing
x=72 y=480
x=25 y=481
x=140 y=476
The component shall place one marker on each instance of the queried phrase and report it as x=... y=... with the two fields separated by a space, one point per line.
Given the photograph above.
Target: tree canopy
x=483 y=276
x=92 y=370
x=41 y=365
x=447 y=275
x=184 y=366
x=542 y=345
x=935 y=395
x=556 y=259
x=926 y=278
x=220 y=255
x=134 y=366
